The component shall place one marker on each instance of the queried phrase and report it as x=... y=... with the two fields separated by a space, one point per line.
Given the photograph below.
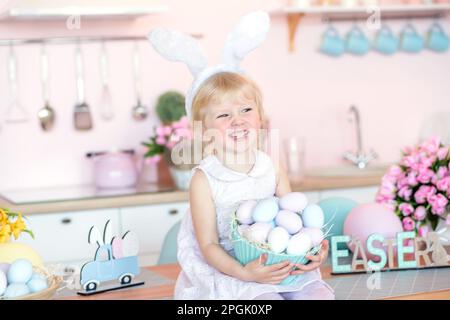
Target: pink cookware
x=114 y=169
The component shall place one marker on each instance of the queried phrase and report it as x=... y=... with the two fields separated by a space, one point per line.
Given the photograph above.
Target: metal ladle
x=139 y=111
x=46 y=114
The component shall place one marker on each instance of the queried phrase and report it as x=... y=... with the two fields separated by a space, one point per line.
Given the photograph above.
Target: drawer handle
x=173 y=212
x=66 y=220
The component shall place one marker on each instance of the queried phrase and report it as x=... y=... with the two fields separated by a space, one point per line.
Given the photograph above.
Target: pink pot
x=115 y=169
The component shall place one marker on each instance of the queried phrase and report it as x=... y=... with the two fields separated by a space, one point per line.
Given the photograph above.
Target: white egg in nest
x=293 y=201
x=258 y=232
x=313 y=216
x=278 y=239
x=315 y=234
x=299 y=244
x=289 y=220
x=245 y=211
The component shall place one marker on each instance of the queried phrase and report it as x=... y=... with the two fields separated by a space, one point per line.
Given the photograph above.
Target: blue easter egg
x=37 y=284
x=313 y=216
x=20 y=271
x=265 y=210
x=16 y=290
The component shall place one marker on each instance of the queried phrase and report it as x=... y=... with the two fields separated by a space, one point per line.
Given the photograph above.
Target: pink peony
x=408 y=224
x=406 y=208
x=442 y=153
x=420 y=213
x=425 y=176
x=443 y=184
x=431 y=145
x=423 y=193
x=442 y=172
x=412 y=178
x=405 y=192
x=447 y=221
x=437 y=210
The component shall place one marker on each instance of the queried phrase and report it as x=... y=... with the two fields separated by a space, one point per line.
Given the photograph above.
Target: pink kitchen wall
x=306 y=93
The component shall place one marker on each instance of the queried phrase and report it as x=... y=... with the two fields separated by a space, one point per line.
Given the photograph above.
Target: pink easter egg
x=366 y=219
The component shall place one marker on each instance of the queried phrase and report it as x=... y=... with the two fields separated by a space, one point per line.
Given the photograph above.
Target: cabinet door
x=151 y=224
x=63 y=237
x=360 y=195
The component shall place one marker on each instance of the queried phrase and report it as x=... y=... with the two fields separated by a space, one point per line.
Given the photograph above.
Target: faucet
x=360 y=159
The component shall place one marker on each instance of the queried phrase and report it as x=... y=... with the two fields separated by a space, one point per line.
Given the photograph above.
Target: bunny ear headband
x=246 y=36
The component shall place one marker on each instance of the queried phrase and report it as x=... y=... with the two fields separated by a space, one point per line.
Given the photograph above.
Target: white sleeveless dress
x=199 y=280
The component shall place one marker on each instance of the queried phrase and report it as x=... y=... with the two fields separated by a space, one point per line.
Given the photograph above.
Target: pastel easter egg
x=313 y=216
x=37 y=284
x=293 y=201
x=244 y=212
x=5 y=267
x=315 y=234
x=289 y=220
x=20 y=271
x=265 y=210
x=278 y=239
x=242 y=229
x=15 y=290
x=299 y=244
x=3 y=282
x=38 y=276
x=258 y=232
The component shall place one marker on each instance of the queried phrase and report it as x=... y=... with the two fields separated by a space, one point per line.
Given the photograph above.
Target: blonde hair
x=226 y=86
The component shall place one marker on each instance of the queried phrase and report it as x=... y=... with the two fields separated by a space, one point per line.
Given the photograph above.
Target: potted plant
x=12 y=225
x=418 y=188
x=174 y=129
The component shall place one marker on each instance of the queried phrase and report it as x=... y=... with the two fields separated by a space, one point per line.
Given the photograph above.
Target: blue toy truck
x=106 y=268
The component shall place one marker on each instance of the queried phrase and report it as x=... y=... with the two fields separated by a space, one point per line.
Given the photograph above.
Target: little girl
x=229 y=108
x=231 y=105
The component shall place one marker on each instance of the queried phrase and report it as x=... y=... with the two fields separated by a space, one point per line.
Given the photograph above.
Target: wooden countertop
x=307 y=184
x=171 y=271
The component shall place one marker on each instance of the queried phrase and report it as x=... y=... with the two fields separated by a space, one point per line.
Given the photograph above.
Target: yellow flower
x=18 y=226
x=3 y=217
x=5 y=233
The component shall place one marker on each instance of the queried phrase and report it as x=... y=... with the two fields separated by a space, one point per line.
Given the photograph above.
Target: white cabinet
x=61 y=237
x=360 y=195
x=151 y=224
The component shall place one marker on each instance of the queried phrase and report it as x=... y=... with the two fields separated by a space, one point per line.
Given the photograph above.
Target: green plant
x=170 y=107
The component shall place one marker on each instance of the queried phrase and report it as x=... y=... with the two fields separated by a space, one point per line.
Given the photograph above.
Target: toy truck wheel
x=125 y=278
x=90 y=286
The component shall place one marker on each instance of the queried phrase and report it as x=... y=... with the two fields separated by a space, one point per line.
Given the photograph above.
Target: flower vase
x=11 y=251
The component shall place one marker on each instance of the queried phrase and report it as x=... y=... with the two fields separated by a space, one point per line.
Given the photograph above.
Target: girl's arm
x=283 y=184
x=205 y=227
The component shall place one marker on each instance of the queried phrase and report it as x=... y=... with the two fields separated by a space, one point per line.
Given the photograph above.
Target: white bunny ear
x=94 y=236
x=249 y=33
x=179 y=47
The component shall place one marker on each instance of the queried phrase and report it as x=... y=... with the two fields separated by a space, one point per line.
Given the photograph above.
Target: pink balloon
x=370 y=218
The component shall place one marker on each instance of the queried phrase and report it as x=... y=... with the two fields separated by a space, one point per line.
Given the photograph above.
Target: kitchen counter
x=171 y=272
x=148 y=196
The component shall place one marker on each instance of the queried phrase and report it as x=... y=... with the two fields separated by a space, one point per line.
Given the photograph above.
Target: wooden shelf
x=333 y=13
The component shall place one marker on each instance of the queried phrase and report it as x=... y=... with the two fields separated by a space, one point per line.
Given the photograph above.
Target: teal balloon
x=339 y=207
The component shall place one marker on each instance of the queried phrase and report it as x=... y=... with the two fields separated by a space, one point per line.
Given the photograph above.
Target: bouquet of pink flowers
x=166 y=137
x=418 y=188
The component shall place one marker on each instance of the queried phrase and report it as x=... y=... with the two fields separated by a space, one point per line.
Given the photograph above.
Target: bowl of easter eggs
x=21 y=280
x=286 y=228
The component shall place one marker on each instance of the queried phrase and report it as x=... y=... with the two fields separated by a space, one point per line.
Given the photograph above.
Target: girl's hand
x=316 y=260
x=257 y=271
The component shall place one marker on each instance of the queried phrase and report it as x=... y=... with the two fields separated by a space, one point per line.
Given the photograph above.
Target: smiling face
x=230 y=109
x=237 y=124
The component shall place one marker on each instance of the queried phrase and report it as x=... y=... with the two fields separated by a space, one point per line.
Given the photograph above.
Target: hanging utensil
x=15 y=112
x=46 y=114
x=106 y=105
x=139 y=111
x=82 y=114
